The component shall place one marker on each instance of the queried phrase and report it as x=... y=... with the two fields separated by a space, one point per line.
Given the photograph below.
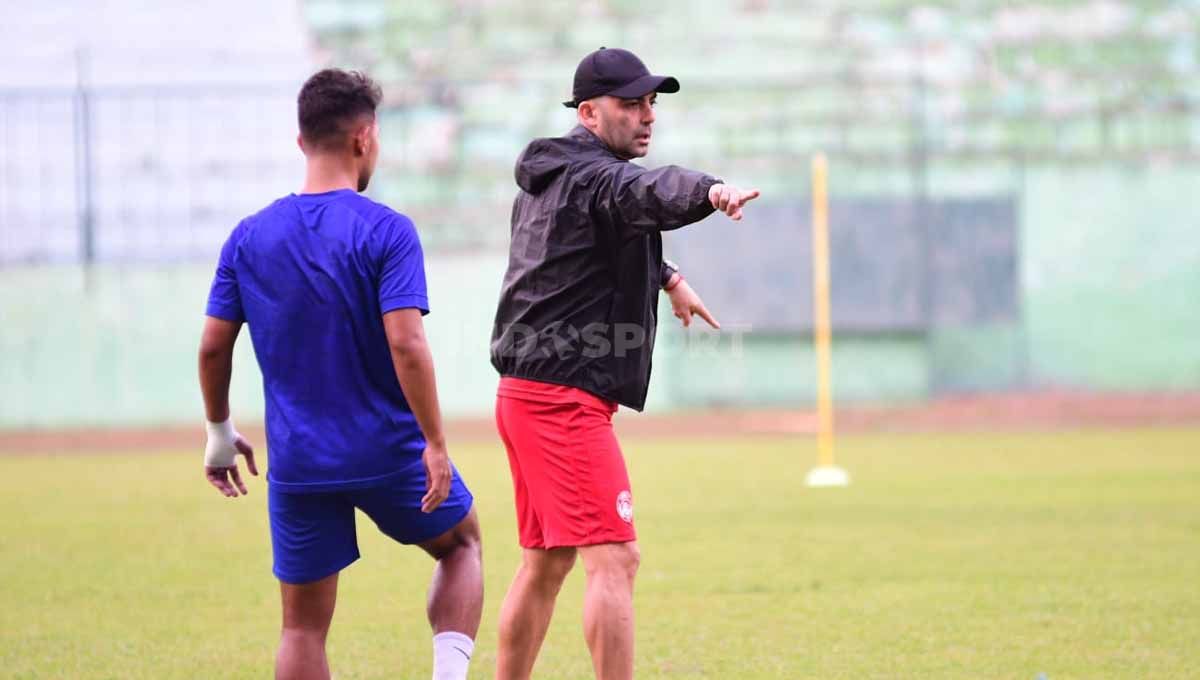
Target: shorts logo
x=625 y=506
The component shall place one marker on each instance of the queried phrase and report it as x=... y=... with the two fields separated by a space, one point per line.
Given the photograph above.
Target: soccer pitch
x=1073 y=555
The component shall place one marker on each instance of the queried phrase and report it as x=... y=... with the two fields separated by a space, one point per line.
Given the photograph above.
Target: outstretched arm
x=414 y=369
x=224 y=442
x=653 y=200
x=665 y=198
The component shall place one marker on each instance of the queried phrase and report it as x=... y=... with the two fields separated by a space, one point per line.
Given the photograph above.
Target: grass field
x=1073 y=555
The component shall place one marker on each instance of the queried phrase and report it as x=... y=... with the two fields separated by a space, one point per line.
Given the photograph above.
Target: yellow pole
x=822 y=326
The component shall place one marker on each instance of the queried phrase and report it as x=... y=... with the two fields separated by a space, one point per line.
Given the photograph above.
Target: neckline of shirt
x=323 y=194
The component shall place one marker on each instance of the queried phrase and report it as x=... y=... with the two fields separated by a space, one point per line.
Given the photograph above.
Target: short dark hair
x=332 y=100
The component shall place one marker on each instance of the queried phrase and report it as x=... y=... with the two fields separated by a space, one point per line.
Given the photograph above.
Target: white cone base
x=827 y=475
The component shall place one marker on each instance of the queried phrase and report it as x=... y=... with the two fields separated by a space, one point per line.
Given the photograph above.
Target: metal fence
x=137 y=173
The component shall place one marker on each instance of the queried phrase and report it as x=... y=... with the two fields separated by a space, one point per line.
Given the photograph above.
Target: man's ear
x=362 y=141
x=587 y=111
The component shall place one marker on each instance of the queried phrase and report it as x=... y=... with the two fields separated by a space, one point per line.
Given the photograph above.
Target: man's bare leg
x=456 y=593
x=608 y=607
x=307 y=613
x=455 y=601
x=527 y=609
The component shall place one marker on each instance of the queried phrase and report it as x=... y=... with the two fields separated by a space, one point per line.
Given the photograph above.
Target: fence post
x=919 y=153
x=84 y=167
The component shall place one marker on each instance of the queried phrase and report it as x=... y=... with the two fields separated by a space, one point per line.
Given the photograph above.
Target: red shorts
x=568 y=473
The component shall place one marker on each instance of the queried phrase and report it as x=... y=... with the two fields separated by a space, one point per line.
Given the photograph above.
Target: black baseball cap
x=616 y=72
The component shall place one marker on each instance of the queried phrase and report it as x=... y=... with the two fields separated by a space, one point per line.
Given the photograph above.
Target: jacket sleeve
x=640 y=200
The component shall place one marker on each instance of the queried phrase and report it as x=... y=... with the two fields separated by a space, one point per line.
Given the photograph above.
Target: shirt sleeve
x=402 y=269
x=643 y=200
x=224 y=298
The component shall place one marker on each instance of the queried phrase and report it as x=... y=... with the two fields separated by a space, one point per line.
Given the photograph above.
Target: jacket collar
x=582 y=134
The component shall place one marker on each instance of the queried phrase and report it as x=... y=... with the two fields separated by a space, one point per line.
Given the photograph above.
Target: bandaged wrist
x=220 y=451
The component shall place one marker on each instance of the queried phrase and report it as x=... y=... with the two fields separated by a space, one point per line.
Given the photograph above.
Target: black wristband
x=667 y=270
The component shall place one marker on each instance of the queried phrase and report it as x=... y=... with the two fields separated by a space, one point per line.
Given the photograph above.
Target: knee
x=470 y=541
x=463 y=541
x=304 y=633
x=552 y=566
x=306 y=625
x=617 y=561
x=629 y=559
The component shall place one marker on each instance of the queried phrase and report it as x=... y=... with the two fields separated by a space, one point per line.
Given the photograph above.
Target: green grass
x=1003 y=556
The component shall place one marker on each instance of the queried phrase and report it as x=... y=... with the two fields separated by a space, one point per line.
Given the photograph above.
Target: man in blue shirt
x=332 y=286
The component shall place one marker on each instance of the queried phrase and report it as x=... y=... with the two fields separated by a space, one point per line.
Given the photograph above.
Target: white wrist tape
x=220 y=451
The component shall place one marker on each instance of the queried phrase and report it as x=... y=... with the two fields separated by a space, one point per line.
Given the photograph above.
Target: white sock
x=451 y=656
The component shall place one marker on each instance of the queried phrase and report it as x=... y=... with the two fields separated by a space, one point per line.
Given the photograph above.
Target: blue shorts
x=313 y=534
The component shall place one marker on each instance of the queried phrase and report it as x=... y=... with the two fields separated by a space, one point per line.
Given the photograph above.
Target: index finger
x=750 y=195
x=704 y=314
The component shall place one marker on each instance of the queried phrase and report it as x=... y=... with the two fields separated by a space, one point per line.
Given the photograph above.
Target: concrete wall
x=1112 y=277
x=118 y=346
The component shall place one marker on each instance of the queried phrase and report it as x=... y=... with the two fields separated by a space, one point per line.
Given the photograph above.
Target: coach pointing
x=573 y=339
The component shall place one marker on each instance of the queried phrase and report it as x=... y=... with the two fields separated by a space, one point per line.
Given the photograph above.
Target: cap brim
x=645 y=85
x=638 y=88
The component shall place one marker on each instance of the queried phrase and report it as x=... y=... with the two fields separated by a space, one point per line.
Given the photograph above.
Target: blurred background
x=1015 y=189
x=1015 y=250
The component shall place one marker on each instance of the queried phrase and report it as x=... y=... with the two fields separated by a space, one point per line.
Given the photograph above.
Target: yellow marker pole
x=822 y=333
x=825 y=474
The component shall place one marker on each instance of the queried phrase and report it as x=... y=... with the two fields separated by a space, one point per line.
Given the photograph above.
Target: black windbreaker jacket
x=579 y=302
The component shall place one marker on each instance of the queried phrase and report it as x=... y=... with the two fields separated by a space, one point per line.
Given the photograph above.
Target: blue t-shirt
x=312 y=276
